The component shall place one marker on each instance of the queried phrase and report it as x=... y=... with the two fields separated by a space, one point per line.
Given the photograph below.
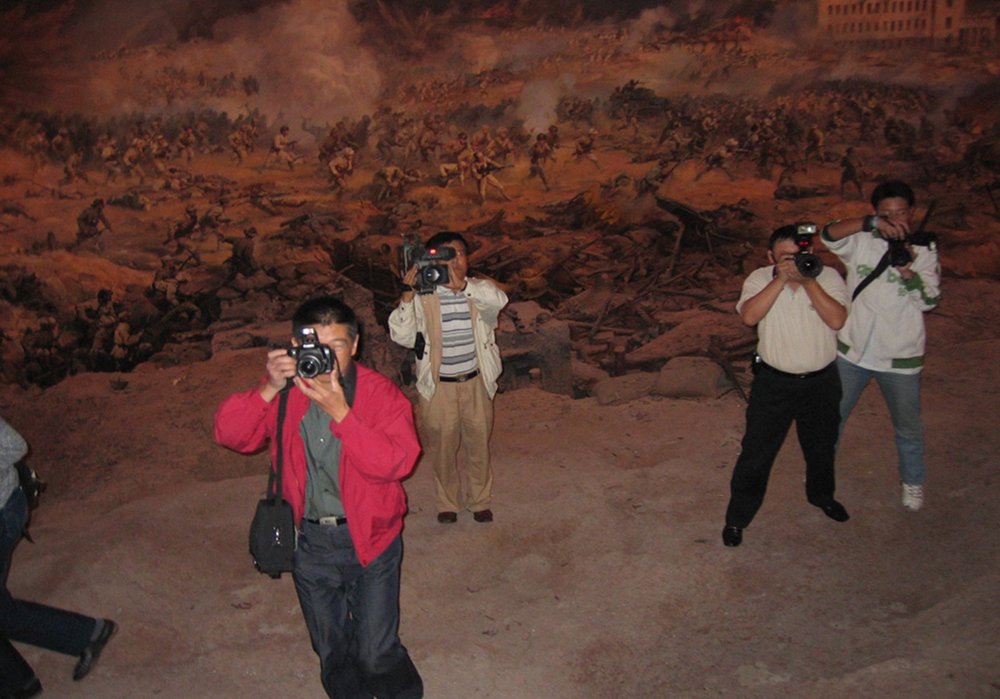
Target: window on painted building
x=947 y=22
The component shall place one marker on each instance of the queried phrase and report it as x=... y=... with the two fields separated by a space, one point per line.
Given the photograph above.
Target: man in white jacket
x=894 y=279
x=451 y=326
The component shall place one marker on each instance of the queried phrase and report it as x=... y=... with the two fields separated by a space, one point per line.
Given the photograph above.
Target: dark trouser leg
x=386 y=666
x=27 y=622
x=353 y=616
x=769 y=415
x=817 y=424
x=325 y=566
x=15 y=672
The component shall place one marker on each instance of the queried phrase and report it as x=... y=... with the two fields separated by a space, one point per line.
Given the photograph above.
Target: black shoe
x=732 y=536
x=31 y=688
x=447 y=517
x=483 y=516
x=835 y=511
x=93 y=650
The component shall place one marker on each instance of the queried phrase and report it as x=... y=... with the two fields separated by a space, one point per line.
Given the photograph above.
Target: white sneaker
x=913 y=497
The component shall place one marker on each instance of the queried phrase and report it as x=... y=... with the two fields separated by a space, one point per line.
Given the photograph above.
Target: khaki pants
x=459 y=415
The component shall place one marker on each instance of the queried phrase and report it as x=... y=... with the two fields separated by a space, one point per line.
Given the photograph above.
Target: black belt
x=460 y=379
x=329 y=521
x=787 y=375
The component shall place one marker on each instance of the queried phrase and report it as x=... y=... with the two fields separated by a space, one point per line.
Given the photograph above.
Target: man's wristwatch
x=870 y=223
x=406 y=287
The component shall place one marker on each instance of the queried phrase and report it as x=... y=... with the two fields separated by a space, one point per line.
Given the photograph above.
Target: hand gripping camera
x=430 y=272
x=808 y=264
x=311 y=357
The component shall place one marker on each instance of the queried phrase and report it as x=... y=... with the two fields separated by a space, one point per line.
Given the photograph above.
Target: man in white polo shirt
x=795 y=379
x=452 y=328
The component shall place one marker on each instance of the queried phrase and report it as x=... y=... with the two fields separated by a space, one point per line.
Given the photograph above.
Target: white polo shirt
x=791 y=336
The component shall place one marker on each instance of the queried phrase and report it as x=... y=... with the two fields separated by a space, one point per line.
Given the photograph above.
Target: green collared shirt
x=323 y=457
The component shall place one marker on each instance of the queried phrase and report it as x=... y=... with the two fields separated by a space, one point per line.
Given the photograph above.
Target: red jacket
x=379 y=448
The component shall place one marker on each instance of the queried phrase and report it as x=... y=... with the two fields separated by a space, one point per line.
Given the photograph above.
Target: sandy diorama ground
x=603 y=575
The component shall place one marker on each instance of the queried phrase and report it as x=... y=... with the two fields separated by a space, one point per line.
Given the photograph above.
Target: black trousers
x=776 y=400
x=29 y=622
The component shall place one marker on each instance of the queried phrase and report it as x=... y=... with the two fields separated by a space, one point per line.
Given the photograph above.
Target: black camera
x=899 y=256
x=808 y=264
x=430 y=272
x=311 y=357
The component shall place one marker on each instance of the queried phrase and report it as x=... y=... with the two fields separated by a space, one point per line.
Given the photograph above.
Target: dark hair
x=892 y=189
x=779 y=234
x=447 y=238
x=325 y=310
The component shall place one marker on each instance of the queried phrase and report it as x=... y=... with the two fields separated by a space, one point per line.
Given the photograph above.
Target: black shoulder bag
x=272 y=531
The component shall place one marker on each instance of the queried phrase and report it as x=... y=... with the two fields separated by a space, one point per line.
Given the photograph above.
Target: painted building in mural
x=939 y=23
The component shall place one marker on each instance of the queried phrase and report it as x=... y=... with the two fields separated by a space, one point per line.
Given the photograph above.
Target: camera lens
x=308 y=367
x=809 y=265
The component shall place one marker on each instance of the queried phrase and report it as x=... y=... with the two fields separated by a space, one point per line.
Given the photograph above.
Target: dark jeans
x=813 y=403
x=28 y=622
x=352 y=614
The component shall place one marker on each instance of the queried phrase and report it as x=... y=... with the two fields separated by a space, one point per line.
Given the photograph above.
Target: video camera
x=311 y=357
x=430 y=273
x=808 y=264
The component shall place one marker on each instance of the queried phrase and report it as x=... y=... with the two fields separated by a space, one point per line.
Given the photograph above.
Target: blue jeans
x=902 y=396
x=352 y=613
x=28 y=622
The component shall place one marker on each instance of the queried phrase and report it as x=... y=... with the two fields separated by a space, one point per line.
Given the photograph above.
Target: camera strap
x=274 y=492
x=882 y=266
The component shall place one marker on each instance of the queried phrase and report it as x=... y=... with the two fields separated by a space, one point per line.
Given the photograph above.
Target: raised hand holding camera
x=329 y=395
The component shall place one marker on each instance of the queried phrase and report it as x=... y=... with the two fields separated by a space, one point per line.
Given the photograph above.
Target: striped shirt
x=458 y=344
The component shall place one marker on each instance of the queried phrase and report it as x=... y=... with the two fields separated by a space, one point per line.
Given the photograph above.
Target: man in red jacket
x=348 y=440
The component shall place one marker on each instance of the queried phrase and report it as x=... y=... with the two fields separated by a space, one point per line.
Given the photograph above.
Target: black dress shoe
x=732 y=536
x=31 y=688
x=835 y=511
x=447 y=517
x=93 y=650
x=483 y=516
